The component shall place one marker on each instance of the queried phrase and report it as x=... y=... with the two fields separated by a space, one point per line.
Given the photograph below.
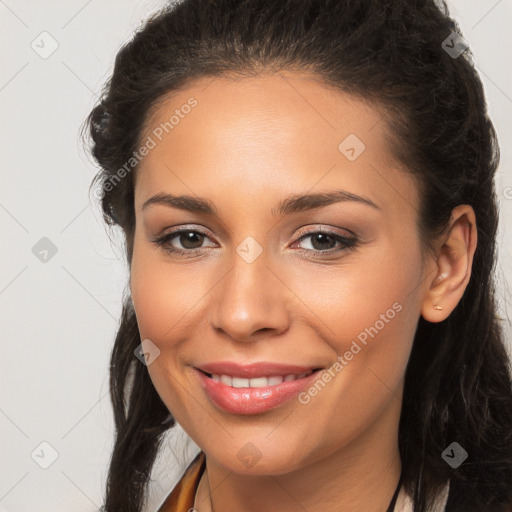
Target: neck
x=362 y=475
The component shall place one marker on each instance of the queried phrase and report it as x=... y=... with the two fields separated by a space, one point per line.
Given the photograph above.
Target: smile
x=258 y=382
x=254 y=389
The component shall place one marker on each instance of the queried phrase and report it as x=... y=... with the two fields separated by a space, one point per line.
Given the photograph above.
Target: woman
x=306 y=193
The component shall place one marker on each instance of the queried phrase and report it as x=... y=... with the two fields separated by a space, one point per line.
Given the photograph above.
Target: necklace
x=391 y=506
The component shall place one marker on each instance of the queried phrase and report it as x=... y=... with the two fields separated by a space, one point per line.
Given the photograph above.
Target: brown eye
x=322 y=241
x=191 y=241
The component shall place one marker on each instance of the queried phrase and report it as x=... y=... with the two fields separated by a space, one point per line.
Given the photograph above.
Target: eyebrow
x=292 y=204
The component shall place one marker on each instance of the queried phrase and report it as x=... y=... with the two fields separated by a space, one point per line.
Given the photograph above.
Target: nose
x=250 y=302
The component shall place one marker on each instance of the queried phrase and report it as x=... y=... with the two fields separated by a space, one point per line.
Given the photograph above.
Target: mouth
x=257 y=382
x=255 y=388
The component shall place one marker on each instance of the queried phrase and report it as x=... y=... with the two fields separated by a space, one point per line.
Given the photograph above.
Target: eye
x=325 y=241
x=190 y=239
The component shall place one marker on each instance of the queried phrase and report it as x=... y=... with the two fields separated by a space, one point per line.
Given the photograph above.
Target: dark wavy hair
x=458 y=380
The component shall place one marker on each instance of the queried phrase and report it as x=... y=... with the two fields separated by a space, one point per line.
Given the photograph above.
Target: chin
x=255 y=459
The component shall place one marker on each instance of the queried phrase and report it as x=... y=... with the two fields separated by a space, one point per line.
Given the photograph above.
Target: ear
x=454 y=260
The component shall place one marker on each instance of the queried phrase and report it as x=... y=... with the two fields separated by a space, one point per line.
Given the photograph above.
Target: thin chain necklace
x=391 y=506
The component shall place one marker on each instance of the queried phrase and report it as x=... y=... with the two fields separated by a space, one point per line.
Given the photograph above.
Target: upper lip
x=253 y=370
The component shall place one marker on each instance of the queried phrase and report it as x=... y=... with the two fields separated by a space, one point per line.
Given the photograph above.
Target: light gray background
x=59 y=318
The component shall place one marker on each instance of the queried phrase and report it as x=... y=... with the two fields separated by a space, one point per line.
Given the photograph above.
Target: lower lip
x=252 y=400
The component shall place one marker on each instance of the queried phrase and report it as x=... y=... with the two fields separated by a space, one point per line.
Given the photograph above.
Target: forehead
x=276 y=103
x=284 y=130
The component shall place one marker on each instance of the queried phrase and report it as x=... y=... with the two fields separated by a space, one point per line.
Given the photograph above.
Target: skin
x=248 y=144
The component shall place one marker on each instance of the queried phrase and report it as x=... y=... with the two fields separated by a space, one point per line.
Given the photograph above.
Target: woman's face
x=260 y=276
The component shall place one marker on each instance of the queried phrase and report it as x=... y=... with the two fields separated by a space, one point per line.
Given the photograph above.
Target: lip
x=247 y=401
x=253 y=370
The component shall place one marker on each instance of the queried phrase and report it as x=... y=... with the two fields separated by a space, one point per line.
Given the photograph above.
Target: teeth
x=225 y=379
x=258 y=382
x=240 y=383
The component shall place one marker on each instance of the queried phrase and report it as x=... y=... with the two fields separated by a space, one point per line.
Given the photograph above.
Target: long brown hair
x=458 y=383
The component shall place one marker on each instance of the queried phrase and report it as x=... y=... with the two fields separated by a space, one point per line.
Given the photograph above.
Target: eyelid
x=174 y=230
x=315 y=228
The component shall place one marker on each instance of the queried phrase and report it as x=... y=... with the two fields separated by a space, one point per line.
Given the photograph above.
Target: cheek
x=369 y=323
x=368 y=315
x=164 y=299
x=164 y=302
x=376 y=292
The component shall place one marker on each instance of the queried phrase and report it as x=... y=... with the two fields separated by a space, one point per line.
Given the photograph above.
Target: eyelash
x=349 y=243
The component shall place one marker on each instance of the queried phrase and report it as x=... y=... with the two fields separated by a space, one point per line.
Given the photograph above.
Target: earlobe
x=453 y=266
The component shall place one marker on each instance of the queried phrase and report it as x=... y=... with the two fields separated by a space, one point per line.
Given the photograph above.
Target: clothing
x=181 y=498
